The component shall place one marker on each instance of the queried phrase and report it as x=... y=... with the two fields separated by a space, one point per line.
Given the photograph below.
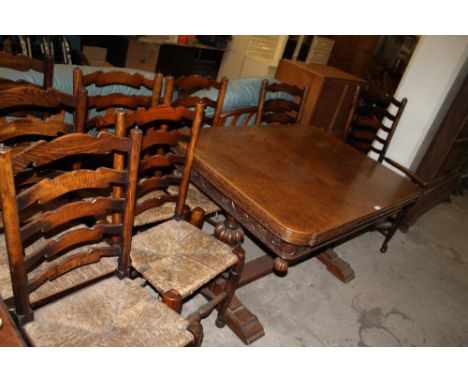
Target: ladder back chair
x=111 y=100
x=374 y=108
x=23 y=63
x=186 y=86
x=176 y=257
x=57 y=245
x=273 y=109
x=156 y=199
x=372 y=116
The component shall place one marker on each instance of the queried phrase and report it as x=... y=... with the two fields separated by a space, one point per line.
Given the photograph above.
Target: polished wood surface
x=302 y=183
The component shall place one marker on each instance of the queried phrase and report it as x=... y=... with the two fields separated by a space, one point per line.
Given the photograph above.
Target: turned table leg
x=242 y=322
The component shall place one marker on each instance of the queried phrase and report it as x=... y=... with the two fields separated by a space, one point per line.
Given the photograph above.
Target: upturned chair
x=273 y=109
x=186 y=88
x=24 y=63
x=56 y=246
x=109 y=100
x=175 y=257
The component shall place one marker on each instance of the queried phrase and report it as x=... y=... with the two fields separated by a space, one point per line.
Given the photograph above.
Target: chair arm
x=416 y=179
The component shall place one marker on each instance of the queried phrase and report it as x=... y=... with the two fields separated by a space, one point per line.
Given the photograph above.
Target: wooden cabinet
x=444 y=157
x=331 y=93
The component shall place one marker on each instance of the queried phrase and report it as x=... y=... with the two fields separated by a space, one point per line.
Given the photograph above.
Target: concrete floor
x=414 y=295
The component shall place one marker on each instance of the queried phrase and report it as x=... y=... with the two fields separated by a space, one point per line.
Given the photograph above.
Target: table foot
x=241 y=321
x=337 y=266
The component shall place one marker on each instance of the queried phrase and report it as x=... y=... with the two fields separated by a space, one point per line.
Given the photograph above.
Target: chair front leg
x=173 y=300
x=231 y=285
x=197 y=217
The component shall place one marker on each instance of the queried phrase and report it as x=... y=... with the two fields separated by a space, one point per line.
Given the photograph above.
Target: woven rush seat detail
x=70 y=279
x=110 y=313
x=196 y=198
x=176 y=255
x=156 y=214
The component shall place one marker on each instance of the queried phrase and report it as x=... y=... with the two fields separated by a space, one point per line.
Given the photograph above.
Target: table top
x=306 y=185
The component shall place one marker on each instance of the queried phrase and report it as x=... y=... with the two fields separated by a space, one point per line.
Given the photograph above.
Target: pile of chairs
x=91 y=207
x=68 y=244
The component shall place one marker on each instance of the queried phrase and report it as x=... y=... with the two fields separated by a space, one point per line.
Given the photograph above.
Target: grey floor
x=414 y=295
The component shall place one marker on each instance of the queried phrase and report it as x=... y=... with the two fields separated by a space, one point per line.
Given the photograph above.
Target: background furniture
x=444 y=157
x=186 y=59
x=370 y=117
x=332 y=93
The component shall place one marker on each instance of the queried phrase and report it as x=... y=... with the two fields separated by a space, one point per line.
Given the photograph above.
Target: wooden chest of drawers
x=331 y=92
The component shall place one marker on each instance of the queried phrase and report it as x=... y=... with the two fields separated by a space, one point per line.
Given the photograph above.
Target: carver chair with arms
x=372 y=128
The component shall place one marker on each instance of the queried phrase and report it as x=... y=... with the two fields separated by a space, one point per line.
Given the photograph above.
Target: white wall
x=436 y=62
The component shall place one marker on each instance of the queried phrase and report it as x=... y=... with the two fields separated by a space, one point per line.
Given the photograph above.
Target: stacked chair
x=161 y=94
x=68 y=229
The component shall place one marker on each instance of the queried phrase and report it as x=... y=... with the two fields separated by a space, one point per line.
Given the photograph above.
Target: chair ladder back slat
x=70 y=239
